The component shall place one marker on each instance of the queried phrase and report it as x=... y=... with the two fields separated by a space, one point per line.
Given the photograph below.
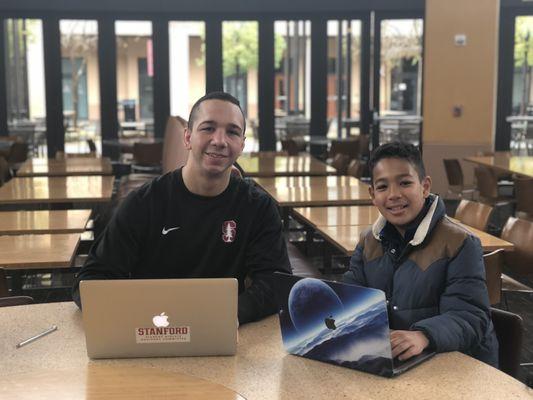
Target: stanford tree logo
x=229 y=231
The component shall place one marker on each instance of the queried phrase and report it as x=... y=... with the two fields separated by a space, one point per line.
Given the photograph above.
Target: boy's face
x=398 y=192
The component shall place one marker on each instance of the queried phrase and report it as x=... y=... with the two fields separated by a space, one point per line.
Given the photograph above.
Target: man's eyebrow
x=230 y=125
x=235 y=126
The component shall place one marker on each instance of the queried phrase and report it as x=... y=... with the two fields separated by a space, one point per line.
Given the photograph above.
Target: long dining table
x=70 y=166
x=43 y=221
x=57 y=367
x=269 y=166
x=505 y=162
x=57 y=189
x=315 y=191
x=342 y=226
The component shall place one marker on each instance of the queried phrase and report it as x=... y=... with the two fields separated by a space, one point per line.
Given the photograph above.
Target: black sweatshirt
x=164 y=231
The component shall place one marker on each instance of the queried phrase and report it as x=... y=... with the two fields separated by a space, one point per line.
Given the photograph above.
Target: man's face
x=398 y=192
x=217 y=138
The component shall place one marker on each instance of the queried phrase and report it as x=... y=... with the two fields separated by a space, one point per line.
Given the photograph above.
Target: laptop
x=160 y=317
x=338 y=323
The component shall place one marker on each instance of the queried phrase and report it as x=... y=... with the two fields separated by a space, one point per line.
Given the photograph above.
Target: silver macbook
x=160 y=317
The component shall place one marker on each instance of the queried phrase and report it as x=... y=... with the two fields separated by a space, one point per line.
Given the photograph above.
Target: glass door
x=397 y=79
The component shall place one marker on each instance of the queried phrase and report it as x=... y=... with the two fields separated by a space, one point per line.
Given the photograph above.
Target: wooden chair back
x=15 y=301
x=493 y=270
x=524 y=196
x=473 y=214
x=340 y=163
x=174 y=152
x=487 y=182
x=509 y=328
x=147 y=154
x=356 y=168
x=520 y=233
x=454 y=172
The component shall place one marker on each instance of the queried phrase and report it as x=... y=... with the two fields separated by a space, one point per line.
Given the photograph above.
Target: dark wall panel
x=55 y=130
x=3 y=85
x=213 y=55
x=319 y=68
x=505 y=80
x=107 y=68
x=267 y=137
x=161 y=76
x=210 y=6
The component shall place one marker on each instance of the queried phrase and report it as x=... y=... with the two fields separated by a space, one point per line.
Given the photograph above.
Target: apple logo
x=161 y=320
x=330 y=323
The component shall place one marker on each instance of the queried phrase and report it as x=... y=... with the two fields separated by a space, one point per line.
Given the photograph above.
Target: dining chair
x=520 y=260
x=474 y=214
x=147 y=157
x=174 y=152
x=15 y=301
x=5 y=174
x=524 y=197
x=356 y=168
x=493 y=274
x=340 y=163
x=455 y=176
x=509 y=329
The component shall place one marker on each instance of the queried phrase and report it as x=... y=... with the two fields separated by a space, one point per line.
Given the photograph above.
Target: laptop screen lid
x=338 y=323
x=160 y=317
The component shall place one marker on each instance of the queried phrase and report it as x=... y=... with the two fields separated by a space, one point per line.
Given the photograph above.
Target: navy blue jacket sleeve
x=355 y=273
x=464 y=304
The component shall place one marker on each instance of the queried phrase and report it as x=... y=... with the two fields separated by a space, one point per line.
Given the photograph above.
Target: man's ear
x=187 y=138
x=426 y=186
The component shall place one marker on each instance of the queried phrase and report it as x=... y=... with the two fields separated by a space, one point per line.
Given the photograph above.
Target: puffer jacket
x=435 y=284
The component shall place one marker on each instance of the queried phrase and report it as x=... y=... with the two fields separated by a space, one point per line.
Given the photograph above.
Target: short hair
x=214 y=96
x=403 y=151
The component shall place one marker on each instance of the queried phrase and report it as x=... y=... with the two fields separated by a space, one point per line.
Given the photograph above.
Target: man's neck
x=204 y=185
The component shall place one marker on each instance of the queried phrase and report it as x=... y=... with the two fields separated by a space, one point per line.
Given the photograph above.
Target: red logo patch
x=229 y=231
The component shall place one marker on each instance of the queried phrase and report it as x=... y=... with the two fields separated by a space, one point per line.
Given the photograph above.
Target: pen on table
x=38 y=336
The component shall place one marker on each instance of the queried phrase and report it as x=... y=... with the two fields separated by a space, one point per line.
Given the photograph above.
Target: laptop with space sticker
x=338 y=323
x=160 y=317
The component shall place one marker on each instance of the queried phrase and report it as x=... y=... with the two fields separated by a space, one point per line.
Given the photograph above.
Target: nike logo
x=165 y=231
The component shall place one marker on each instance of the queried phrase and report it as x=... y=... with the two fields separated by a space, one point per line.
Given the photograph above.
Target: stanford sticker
x=229 y=231
x=163 y=332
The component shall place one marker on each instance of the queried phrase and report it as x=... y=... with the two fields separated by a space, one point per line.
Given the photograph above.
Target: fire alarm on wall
x=460 y=39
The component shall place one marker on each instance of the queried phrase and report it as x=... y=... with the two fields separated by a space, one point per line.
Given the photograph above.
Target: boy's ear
x=426 y=186
x=371 y=191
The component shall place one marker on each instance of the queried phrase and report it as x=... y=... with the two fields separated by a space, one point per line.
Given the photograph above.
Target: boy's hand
x=406 y=344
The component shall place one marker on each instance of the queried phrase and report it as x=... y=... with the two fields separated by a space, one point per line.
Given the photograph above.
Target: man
x=198 y=221
x=430 y=268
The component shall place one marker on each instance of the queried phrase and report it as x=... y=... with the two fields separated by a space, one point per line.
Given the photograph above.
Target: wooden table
x=304 y=181
x=304 y=165
x=55 y=221
x=38 y=251
x=71 y=166
x=345 y=237
x=337 y=216
x=56 y=365
x=506 y=162
x=69 y=189
x=315 y=191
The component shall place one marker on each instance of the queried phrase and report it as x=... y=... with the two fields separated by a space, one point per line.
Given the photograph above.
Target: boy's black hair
x=403 y=151
x=214 y=96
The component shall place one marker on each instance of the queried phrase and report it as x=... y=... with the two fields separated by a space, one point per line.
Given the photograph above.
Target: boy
x=430 y=269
